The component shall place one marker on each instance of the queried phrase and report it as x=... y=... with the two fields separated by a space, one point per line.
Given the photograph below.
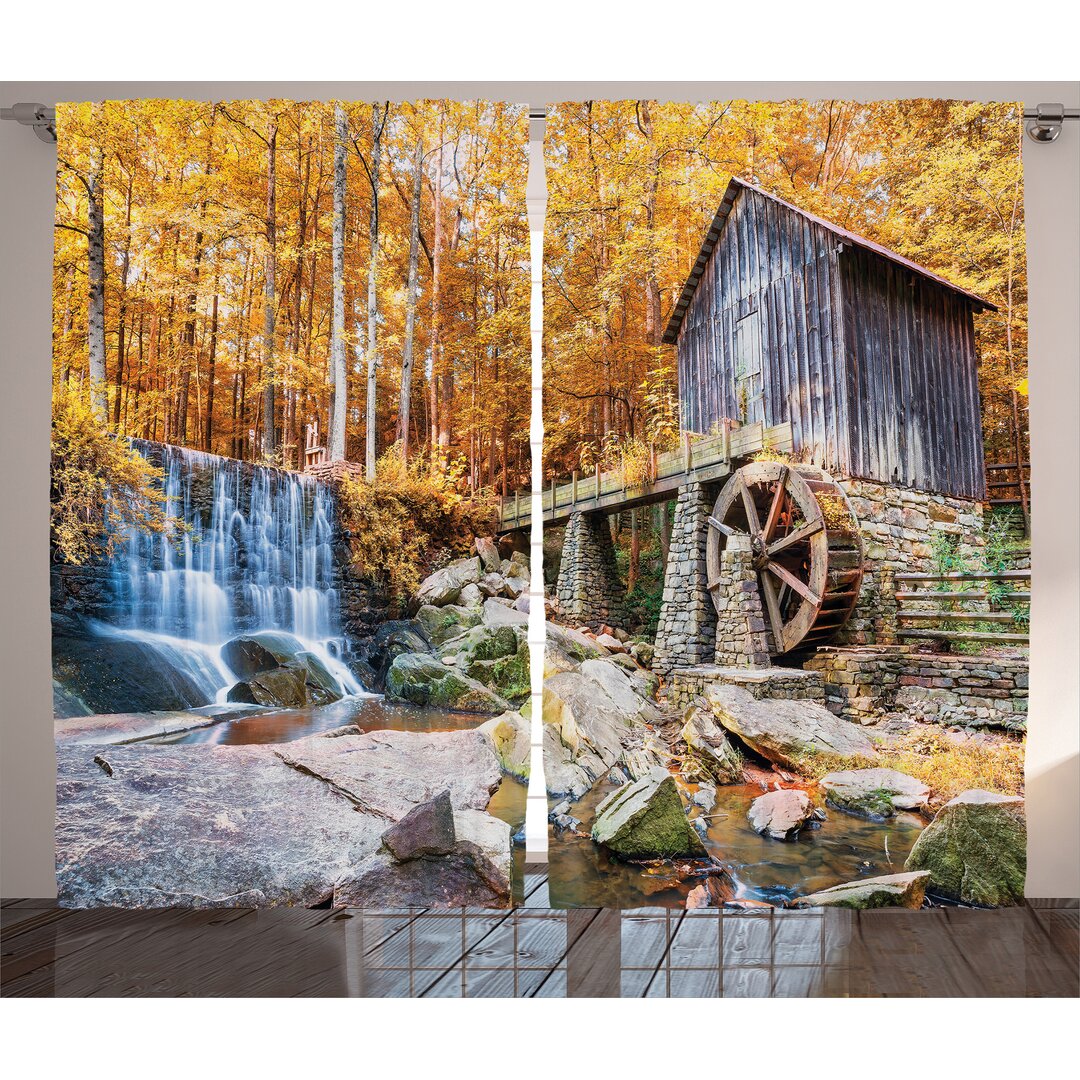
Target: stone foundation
x=897 y=525
x=589 y=591
x=686 y=631
x=861 y=684
x=790 y=684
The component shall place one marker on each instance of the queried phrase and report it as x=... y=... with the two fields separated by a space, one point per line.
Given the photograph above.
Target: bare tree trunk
x=269 y=295
x=377 y=125
x=95 y=315
x=337 y=328
x=410 y=303
x=121 y=339
x=211 y=357
x=436 y=272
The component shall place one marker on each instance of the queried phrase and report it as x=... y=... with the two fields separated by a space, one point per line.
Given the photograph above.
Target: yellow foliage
x=100 y=486
x=946 y=767
x=409 y=519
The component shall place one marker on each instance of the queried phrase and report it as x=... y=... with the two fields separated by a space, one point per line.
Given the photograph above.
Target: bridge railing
x=698 y=457
x=987 y=607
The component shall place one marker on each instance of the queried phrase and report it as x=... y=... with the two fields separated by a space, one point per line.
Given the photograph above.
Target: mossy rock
x=509 y=675
x=647 y=820
x=420 y=679
x=975 y=849
x=442 y=624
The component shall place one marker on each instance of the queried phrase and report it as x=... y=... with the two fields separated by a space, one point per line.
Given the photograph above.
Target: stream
x=845 y=848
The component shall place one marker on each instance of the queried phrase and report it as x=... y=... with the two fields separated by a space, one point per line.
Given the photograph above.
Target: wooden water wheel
x=805 y=545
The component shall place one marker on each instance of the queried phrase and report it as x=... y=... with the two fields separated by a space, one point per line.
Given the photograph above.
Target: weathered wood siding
x=873 y=365
x=783 y=267
x=912 y=371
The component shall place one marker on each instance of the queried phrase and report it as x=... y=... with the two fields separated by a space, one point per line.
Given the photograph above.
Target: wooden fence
x=940 y=607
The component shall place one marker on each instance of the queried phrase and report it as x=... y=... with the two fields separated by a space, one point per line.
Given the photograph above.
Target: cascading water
x=253 y=552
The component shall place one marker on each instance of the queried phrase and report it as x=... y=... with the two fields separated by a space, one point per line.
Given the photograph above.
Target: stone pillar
x=686 y=631
x=589 y=590
x=741 y=638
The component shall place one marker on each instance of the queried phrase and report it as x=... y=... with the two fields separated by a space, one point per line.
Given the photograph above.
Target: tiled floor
x=538 y=952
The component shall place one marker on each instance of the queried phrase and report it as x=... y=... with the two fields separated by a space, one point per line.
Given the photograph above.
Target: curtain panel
x=785 y=504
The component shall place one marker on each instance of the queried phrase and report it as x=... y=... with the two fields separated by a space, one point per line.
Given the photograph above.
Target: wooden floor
x=1029 y=951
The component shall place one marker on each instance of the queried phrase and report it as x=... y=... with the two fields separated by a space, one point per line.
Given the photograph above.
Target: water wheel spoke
x=727 y=530
x=772 y=605
x=752 y=519
x=789 y=579
x=804 y=532
x=777 y=505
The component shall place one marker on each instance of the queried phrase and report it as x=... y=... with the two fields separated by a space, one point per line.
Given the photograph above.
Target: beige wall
x=26 y=206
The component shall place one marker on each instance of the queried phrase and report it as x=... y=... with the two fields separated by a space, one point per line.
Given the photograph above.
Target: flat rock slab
x=387 y=773
x=893 y=890
x=200 y=826
x=785 y=731
x=874 y=793
x=129 y=727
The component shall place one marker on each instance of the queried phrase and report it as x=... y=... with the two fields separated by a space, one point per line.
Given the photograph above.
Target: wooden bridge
x=699 y=458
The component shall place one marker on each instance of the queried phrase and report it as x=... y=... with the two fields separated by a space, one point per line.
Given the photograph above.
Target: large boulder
x=874 y=793
x=562 y=774
x=107 y=673
x=500 y=613
x=444 y=586
x=276 y=670
x=421 y=679
x=708 y=744
x=251 y=654
x=488 y=551
x=781 y=814
x=483 y=642
x=975 y=849
x=510 y=740
x=646 y=820
x=442 y=624
x=565 y=648
x=784 y=731
x=893 y=890
x=620 y=687
x=475 y=873
x=390 y=640
x=588 y=723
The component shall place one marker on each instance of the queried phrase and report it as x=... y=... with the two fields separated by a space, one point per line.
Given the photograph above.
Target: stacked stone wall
x=863 y=684
x=741 y=637
x=897 y=526
x=589 y=591
x=686 y=630
x=790 y=684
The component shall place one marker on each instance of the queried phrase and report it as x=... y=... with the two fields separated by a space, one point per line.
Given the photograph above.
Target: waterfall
x=252 y=551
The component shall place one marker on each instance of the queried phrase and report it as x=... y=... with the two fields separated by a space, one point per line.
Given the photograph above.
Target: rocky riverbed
x=724 y=802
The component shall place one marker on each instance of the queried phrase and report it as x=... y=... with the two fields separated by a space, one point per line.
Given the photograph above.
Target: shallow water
x=844 y=848
x=368 y=713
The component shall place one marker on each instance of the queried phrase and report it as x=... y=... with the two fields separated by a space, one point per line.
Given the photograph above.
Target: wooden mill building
x=872 y=358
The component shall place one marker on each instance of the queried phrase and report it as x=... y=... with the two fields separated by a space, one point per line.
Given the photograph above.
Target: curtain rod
x=1044 y=121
